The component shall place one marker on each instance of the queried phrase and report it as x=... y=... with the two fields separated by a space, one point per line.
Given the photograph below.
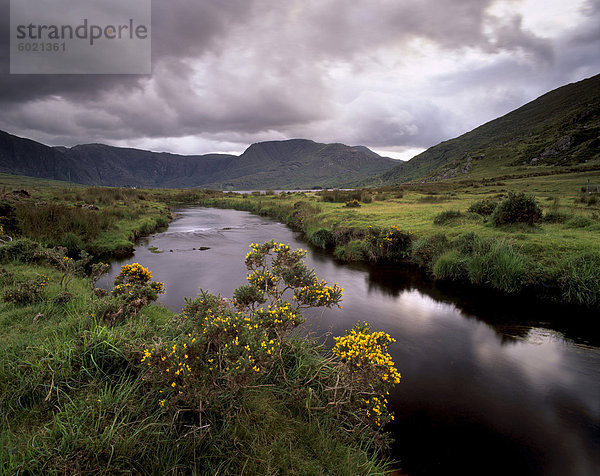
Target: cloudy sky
x=396 y=76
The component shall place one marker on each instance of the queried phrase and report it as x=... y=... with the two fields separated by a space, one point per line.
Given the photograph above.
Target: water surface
x=490 y=385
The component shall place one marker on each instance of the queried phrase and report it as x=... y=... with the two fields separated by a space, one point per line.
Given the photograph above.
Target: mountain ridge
x=293 y=163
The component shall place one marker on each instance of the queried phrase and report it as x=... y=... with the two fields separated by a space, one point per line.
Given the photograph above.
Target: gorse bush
x=483 y=207
x=369 y=370
x=517 y=208
x=27 y=292
x=392 y=244
x=225 y=347
x=133 y=290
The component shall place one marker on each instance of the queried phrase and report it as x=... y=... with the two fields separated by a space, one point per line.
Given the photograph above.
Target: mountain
x=559 y=128
x=297 y=163
x=301 y=163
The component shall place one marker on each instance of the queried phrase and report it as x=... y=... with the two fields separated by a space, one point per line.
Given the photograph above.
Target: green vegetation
x=101 y=221
x=96 y=381
x=514 y=235
x=555 y=133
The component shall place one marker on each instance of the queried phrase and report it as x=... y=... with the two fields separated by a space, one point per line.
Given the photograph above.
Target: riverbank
x=77 y=389
x=448 y=231
x=103 y=222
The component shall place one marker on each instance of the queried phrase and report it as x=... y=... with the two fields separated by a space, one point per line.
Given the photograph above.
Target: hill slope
x=297 y=163
x=561 y=127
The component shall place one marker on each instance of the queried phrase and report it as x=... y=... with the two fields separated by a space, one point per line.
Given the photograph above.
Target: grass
x=75 y=399
x=428 y=210
x=103 y=221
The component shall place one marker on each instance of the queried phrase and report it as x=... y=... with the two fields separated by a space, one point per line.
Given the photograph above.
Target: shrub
x=446 y=217
x=390 y=244
x=353 y=204
x=580 y=280
x=8 y=220
x=484 y=207
x=23 y=249
x=366 y=196
x=133 y=289
x=340 y=196
x=27 y=292
x=517 y=208
x=203 y=374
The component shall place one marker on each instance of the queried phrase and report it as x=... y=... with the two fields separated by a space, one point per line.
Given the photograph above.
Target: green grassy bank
x=91 y=381
x=104 y=222
x=449 y=230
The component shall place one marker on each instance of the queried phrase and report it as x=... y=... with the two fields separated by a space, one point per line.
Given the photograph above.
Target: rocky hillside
x=560 y=128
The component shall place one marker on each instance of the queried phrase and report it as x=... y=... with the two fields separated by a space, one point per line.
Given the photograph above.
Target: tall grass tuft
x=499 y=266
x=451 y=266
x=580 y=280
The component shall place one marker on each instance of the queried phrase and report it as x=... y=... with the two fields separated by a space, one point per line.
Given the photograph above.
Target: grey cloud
x=235 y=71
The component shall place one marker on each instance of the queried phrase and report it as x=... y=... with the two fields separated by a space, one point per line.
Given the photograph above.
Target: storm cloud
x=386 y=74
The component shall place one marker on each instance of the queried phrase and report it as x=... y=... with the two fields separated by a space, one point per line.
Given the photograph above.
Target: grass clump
x=579 y=221
x=323 y=238
x=580 y=279
x=447 y=217
x=451 y=266
x=499 y=265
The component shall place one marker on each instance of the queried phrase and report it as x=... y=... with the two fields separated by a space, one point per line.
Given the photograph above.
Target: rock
x=559 y=146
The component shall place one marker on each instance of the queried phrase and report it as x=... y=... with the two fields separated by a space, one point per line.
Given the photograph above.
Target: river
x=490 y=385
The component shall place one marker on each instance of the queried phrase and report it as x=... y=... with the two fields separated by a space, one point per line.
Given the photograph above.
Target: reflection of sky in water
x=521 y=393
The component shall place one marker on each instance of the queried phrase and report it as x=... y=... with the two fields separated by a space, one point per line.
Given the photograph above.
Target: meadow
x=91 y=379
x=95 y=380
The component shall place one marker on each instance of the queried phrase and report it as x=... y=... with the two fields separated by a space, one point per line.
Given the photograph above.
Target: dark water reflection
x=490 y=385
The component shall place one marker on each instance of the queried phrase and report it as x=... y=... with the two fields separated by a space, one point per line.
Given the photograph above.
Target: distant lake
x=490 y=385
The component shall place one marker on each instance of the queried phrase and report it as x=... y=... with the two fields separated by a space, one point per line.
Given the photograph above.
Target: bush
x=446 y=217
x=221 y=351
x=24 y=250
x=517 y=208
x=353 y=204
x=484 y=207
x=27 y=292
x=390 y=244
x=340 y=196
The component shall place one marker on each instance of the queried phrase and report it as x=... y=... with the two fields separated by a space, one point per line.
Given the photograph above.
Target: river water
x=490 y=385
